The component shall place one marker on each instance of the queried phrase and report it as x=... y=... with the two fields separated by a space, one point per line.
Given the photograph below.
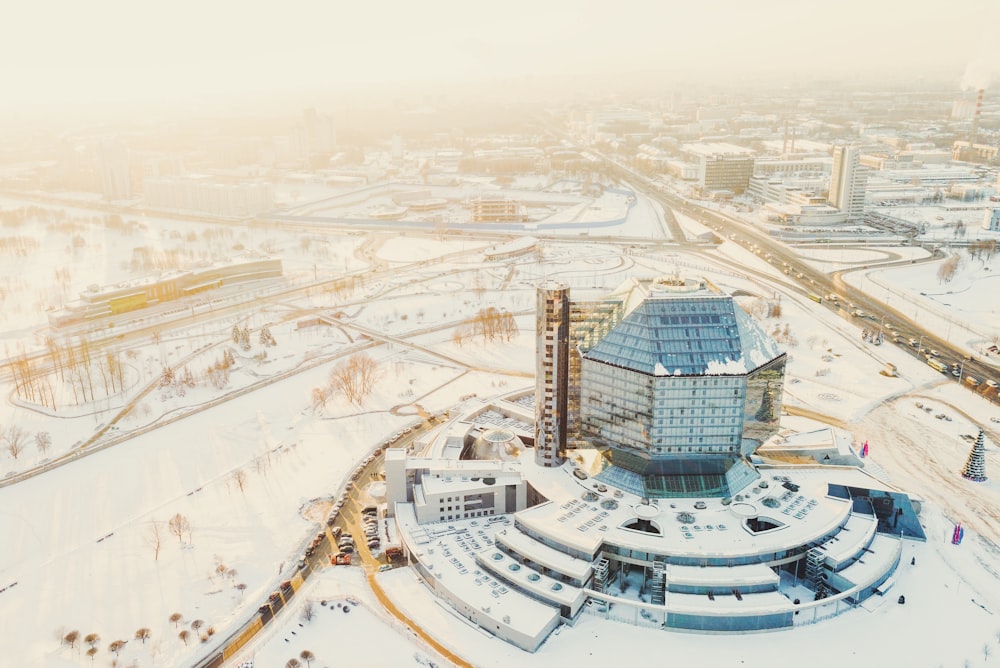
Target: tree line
x=489 y=324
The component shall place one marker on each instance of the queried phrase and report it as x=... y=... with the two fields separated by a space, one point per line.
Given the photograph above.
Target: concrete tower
x=113 y=166
x=848 y=181
x=552 y=373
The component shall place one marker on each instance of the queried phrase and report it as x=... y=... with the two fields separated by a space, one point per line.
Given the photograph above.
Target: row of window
x=465 y=516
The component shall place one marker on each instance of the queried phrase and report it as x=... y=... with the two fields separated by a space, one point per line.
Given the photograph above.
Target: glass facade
x=679 y=391
x=762 y=408
x=590 y=321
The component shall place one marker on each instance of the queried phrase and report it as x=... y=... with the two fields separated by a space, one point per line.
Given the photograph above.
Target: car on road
x=384 y=567
x=992 y=383
x=934 y=353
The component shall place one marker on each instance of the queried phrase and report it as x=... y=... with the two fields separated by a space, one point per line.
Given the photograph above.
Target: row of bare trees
x=984 y=249
x=354 y=378
x=79 y=366
x=490 y=324
x=72 y=638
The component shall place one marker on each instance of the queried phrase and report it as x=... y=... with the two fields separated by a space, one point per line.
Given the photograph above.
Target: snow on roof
x=694 y=333
x=805 y=515
x=710 y=149
x=450 y=556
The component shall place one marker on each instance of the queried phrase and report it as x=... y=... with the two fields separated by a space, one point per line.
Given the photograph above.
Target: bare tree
x=308 y=612
x=43 y=441
x=307 y=656
x=179 y=525
x=154 y=539
x=92 y=652
x=197 y=624
x=319 y=397
x=142 y=634
x=116 y=647
x=184 y=635
x=14 y=438
x=355 y=377
x=947 y=270
x=240 y=478
x=293 y=663
x=92 y=639
x=176 y=618
x=71 y=638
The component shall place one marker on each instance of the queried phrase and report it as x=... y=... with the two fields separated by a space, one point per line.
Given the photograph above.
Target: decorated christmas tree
x=975 y=465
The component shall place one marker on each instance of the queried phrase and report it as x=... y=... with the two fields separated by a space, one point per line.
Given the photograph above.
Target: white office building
x=848 y=181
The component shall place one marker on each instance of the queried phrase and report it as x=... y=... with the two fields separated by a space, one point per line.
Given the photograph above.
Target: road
x=812 y=281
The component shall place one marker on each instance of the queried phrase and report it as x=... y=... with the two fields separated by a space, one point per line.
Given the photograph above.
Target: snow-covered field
x=80 y=540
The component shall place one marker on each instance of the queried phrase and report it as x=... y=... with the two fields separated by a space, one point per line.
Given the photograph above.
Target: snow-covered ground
x=79 y=540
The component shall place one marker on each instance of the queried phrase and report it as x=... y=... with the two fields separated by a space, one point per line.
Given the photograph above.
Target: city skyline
x=114 y=56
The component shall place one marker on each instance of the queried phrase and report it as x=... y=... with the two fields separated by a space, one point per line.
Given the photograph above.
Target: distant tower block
x=552 y=371
x=975 y=465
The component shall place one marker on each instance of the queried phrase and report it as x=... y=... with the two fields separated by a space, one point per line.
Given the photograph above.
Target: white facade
x=991 y=221
x=113 y=164
x=200 y=195
x=847 y=182
x=552 y=371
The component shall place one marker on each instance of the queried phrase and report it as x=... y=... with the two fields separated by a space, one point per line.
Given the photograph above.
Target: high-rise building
x=113 y=166
x=848 y=181
x=552 y=371
x=317 y=134
x=678 y=388
x=681 y=392
x=721 y=167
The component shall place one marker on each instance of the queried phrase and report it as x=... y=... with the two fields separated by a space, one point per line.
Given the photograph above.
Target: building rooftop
x=449 y=552
x=580 y=515
x=712 y=149
x=701 y=333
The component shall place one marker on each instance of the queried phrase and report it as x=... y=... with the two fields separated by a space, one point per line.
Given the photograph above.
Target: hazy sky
x=86 y=54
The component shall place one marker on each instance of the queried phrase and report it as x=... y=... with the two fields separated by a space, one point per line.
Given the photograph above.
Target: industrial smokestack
x=975 y=119
x=784 y=145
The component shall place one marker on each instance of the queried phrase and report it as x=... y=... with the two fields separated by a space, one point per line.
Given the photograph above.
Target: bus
x=815 y=298
x=937 y=365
